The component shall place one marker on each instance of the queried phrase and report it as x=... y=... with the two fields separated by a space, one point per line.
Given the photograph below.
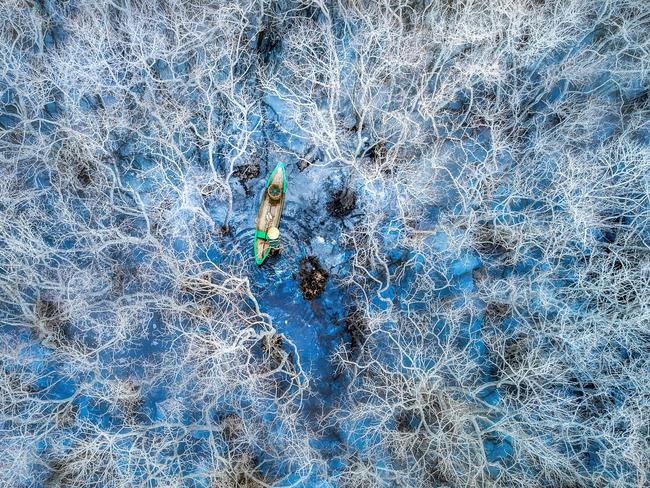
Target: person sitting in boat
x=275 y=192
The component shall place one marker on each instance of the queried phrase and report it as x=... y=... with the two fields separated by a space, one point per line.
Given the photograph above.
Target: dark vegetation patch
x=495 y=312
x=377 y=151
x=50 y=322
x=312 y=277
x=118 y=276
x=437 y=472
x=593 y=399
x=342 y=203
x=268 y=40
x=243 y=470
x=489 y=242
x=404 y=421
x=303 y=164
x=242 y=479
x=639 y=102
x=247 y=172
x=230 y=427
x=515 y=351
x=312 y=156
x=357 y=326
x=376 y=154
x=132 y=404
x=273 y=349
x=83 y=175
x=58 y=475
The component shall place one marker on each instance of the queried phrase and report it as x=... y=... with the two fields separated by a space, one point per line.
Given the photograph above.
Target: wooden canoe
x=269 y=214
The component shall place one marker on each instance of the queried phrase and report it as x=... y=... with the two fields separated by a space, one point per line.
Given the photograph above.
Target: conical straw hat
x=273 y=233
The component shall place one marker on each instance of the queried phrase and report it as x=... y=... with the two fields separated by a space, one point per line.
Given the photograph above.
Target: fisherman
x=267 y=233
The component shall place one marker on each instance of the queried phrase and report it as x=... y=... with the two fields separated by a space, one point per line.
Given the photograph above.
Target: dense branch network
x=499 y=264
